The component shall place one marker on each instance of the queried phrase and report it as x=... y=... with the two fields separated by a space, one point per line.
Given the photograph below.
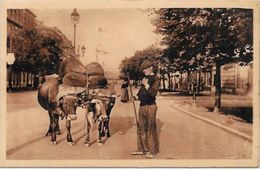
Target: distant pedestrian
x=124 y=88
x=148 y=144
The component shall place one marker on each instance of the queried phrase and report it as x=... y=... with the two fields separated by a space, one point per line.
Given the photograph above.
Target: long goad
x=137 y=122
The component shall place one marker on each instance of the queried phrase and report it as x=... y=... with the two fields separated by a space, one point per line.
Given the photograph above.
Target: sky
x=119 y=32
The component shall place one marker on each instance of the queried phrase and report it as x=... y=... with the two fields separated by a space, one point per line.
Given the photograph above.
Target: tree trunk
x=24 y=79
x=27 y=79
x=163 y=82
x=169 y=82
x=16 y=80
x=180 y=83
x=20 y=80
x=199 y=79
x=218 y=88
x=189 y=82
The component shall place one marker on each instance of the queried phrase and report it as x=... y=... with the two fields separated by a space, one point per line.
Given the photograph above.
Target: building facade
x=17 y=20
x=24 y=19
x=237 y=79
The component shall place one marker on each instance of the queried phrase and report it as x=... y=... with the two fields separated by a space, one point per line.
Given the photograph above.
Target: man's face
x=147 y=71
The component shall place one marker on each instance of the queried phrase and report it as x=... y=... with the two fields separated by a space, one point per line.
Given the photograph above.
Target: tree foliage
x=132 y=65
x=37 y=52
x=199 y=37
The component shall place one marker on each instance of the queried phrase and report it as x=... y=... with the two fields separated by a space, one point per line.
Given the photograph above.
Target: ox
x=98 y=106
x=47 y=99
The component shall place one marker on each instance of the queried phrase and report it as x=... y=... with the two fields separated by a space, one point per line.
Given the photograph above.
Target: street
x=180 y=136
x=196 y=64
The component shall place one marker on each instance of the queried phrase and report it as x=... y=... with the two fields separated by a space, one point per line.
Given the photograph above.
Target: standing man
x=148 y=144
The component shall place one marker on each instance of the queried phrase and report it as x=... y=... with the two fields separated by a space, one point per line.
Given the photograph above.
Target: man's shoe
x=150 y=155
x=137 y=153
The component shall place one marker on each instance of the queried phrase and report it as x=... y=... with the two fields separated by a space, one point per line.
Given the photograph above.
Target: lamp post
x=75 y=21
x=10 y=60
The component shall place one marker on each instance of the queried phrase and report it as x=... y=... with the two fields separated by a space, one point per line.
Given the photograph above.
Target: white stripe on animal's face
x=69 y=107
x=100 y=107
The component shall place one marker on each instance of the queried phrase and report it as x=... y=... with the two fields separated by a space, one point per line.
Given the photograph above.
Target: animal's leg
x=57 y=128
x=69 y=137
x=111 y=105
x=88 y=126
x=49 y=130
x=58 y=131
x=54 y=120
x=100 y=128
x=107 y=132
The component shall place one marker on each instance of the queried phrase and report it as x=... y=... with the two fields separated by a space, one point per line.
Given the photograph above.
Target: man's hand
x=145 y=83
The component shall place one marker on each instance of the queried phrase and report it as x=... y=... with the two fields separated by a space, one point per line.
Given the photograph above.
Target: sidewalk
x=236 y=112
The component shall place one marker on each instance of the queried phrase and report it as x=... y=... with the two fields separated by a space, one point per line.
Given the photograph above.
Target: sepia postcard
x=129 y=83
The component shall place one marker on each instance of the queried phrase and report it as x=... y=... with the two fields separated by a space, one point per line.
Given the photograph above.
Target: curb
x=238 y=133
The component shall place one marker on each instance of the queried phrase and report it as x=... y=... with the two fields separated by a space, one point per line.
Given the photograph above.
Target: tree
x=197 y=38
x=132 y=65
x=23 y=42
x=36 y=52
x=50 y=53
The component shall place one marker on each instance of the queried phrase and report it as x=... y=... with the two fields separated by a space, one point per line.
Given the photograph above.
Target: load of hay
x=71 y=65
x=96 y=77
x=94 y=69
x=73 y=73
x=75 y=78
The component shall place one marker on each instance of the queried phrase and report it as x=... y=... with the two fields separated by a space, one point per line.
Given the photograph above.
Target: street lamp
x=10 y=60
x=75 y=20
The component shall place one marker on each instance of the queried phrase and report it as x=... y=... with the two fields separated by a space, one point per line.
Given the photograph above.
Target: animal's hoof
x=71 y=143
x=48 y=134
x=100 y=144
x=87 y=144
x=53 y=143
x=108 y=135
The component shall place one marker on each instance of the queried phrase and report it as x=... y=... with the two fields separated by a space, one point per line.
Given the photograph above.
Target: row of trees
x=195 y=38
x=37 y=52
x=132 y=65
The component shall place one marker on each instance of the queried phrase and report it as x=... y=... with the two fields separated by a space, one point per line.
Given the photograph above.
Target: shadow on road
x=121 y=124
x=244 y=114
x=14 y=149
x=73 y=133
x=29 y=143
x=159 y=125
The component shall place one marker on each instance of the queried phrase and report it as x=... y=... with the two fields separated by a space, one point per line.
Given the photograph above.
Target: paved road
x=208 y=99
x=181 y=136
